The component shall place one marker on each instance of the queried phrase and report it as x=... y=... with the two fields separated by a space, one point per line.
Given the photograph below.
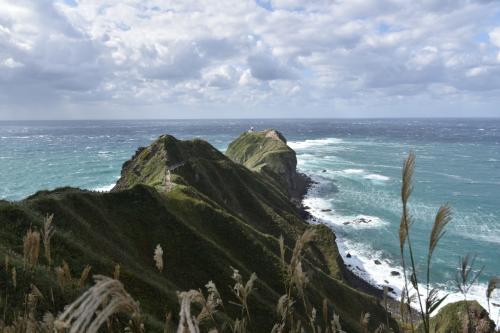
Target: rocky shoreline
x=353 y=280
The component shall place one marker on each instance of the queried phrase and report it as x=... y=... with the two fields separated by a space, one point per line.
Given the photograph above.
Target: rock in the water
x=323 y=170
x=395 y=273
x=360 y=220
x=377 y=262
x=348 y=255
x=326 y=210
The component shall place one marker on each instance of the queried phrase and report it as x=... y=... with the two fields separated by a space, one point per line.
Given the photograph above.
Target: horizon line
x=266 y=118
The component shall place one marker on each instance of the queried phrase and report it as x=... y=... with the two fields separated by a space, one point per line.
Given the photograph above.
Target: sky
x=107 y=59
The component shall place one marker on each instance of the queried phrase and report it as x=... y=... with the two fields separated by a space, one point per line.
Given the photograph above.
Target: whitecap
x=375 y=268
x=324 y=211
x=313 y=143
x=376 y=177
x=105 y=188
x=373 y=265
x=353 y=171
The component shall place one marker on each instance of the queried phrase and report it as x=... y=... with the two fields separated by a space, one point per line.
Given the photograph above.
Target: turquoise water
x=357 y=164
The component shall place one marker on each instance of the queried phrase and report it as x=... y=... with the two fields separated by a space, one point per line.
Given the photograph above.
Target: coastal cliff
x=209 y=213
x=267 y=152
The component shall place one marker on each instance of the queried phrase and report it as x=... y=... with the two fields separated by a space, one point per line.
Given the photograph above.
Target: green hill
x=207 y=211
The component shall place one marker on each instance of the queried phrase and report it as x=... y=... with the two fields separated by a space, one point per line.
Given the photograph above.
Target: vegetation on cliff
x=183 y=216
x=208 y=214
x=267 y=152
x=462 y=317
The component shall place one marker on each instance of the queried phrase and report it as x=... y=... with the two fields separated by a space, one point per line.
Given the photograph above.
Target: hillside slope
x=207 y=212
x=267 y=152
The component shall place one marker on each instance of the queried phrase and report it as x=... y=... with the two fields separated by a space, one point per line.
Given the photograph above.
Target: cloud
x=224 y=77
x=249 y=55
x=495 y=36
x=267 y=68
x=11 y=63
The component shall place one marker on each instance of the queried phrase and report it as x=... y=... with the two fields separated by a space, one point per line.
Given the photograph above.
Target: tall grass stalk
x=158 y=257
x=31 y=249
x=443 y=217
x=404 y=228
x=464 y=280
x=47 y=233
x=295 y=281
x=243 y=290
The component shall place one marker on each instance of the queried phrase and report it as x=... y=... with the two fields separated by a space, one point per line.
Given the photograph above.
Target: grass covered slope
x=454 y=318
x=267 y=152
x=206 y=211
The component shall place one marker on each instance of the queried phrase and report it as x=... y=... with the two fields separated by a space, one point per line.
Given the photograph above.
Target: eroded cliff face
x=267 y=152
x=208 y=212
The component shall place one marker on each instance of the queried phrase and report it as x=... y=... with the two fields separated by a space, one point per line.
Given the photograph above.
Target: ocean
x=356 y=165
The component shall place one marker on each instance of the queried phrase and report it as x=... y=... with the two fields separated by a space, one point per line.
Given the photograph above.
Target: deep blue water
x=357 y=164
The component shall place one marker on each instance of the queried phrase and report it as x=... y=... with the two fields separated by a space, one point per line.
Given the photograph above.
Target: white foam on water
x=313 y=143
x=372 y=265
x=362 y=174
x=353 y=171
x=322 y=209
x=362 y=262
x=105 y=188
x=376 y=177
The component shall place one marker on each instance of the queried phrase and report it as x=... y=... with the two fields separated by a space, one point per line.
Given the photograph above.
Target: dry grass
x=243 y=290
x=14 y=277
x=47 y=233
x=464 y=279
x=187 y=322
x=108 y=298
x=63 y=275
x=92 y=309
x=84 y=276
x=158 y=257
x=295 y=281
x=116 y=272
x=442 y=219
x=31 y=249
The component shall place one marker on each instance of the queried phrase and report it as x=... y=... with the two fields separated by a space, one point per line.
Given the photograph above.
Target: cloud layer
x=131 y=58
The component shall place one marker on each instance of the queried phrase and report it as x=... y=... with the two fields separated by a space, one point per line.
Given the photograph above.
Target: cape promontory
x=209 y=213
x=267 y=152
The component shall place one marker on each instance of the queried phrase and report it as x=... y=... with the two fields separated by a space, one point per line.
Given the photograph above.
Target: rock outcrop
x=454 y=318
x=267 y=152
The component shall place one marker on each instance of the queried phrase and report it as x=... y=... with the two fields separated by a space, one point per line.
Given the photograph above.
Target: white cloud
x=223 y=77
x=225 y=54
x=11 y=63
x=476 y=71
x=423 y=57
x=495 y=36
